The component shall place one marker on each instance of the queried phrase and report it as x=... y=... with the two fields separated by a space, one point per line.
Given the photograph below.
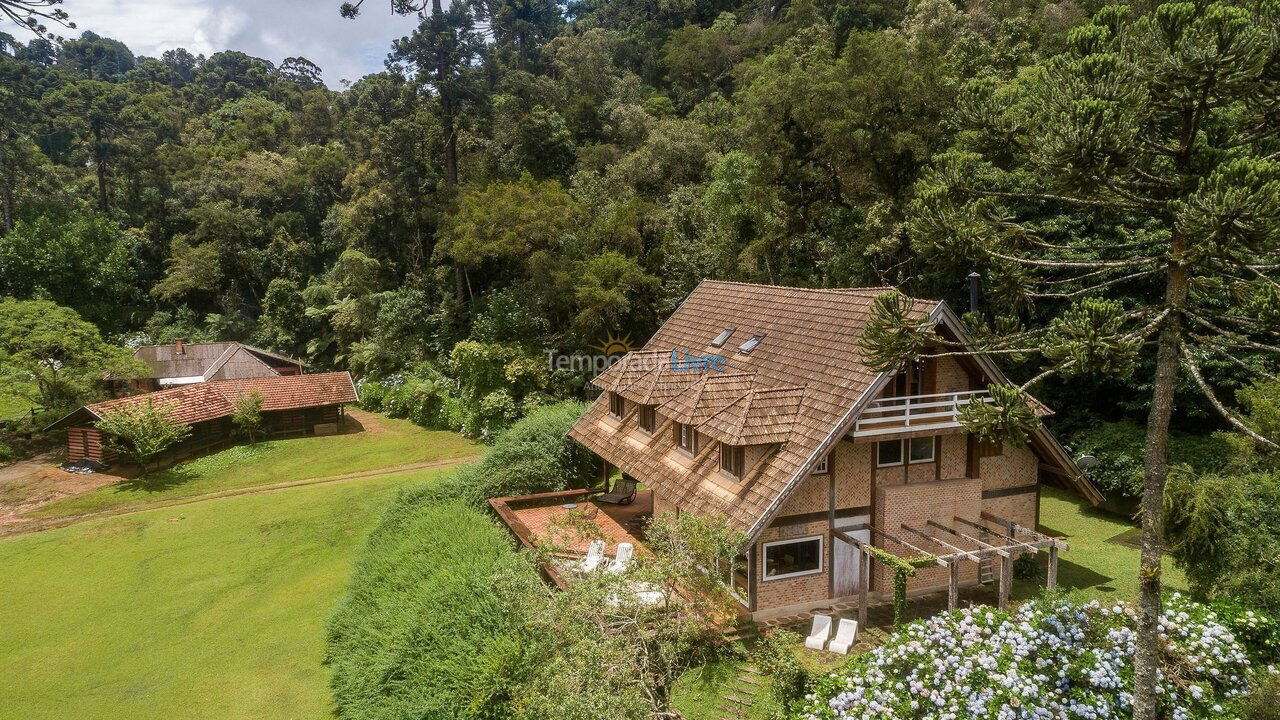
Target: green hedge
x=421 y=632
x=1119 y=448
x=535 y=455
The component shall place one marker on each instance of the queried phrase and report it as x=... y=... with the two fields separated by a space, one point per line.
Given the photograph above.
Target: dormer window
x=746 y=347
x=731 y=459
x=686 y=438
x=647 y=418
x=723 y=337
x=616 y=405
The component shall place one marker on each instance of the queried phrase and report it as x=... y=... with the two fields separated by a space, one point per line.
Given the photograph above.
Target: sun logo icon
x=614 y=345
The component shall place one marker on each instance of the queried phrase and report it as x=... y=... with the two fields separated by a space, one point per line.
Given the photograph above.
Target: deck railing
x=915 y=412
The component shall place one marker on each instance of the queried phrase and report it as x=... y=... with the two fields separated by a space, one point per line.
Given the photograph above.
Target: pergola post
x=1052 y=580
x=864 y=581
x=953 y=588
x=1006 y=579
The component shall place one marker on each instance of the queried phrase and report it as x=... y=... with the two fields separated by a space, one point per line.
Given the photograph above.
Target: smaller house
x=291 y=405
x=189 y=363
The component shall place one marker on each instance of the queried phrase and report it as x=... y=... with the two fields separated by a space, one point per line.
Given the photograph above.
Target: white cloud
x=270 y=29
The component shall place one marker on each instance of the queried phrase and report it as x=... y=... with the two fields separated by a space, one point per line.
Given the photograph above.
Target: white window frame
x=933 y=449
x=823 y=466
x=902 y=456
x=689 y=433
x=764 y=558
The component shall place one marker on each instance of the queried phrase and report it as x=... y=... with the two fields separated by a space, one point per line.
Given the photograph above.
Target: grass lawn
x=385 y=442
x=211 y=610
x=13 y=405
x=1101 y=562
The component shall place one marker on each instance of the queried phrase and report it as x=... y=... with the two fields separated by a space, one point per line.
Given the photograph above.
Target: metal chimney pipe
x=974 y=277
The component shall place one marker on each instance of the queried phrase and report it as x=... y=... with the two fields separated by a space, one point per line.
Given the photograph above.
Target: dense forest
x=524 y=176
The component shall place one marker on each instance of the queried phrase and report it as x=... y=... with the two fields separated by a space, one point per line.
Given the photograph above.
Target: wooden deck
x=559 y=518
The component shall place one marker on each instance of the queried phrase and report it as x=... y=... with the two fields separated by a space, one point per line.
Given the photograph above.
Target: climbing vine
x=903 y=568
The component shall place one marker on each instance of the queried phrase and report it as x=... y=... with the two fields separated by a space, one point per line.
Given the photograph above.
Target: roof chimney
x=973 y=291
x=179 y=348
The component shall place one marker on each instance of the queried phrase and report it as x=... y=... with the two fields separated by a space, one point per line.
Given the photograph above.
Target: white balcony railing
x=915 y=412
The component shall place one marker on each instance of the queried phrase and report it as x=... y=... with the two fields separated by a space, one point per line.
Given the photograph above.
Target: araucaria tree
x=1128 y=189
x=141 y=431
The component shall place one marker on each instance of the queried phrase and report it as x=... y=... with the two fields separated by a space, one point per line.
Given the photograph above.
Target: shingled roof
x=208 y=401
x=801 y=387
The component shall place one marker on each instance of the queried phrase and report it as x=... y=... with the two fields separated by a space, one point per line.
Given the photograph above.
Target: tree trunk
x=6 y=208
x=101 y=166
x=444 y=86
x=1155 y=472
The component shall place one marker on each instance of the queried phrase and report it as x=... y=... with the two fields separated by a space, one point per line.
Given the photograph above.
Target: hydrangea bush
x=1051 y=659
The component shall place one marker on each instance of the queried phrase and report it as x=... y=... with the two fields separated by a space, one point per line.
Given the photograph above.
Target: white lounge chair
x=623 y=559
x=595 y=555
x=820 y=633
x=846 y=635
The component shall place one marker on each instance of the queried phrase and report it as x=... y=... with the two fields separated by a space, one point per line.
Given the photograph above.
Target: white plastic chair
x=846 y=636
x=820 y=633
x=595 y=554
x=623 y=559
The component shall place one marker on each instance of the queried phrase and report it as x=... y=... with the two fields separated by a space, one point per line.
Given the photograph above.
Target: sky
x=269 y=29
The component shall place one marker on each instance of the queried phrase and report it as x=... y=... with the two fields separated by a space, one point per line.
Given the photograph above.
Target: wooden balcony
x=909 y=413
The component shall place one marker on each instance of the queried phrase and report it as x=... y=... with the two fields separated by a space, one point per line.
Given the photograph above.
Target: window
x=792 y=558
x=888 y=452
x=687 y=438
x=922 y=449
x=731 y=458
x=822 y=468
x=616 y=404
x=746 y=347
x=647 y=418
x=723 y=337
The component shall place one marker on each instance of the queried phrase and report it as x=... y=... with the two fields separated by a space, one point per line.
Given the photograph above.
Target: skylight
x=751 y=344
x=723 y=337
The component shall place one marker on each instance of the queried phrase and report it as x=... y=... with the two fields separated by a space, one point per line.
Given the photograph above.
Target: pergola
x=991 y=537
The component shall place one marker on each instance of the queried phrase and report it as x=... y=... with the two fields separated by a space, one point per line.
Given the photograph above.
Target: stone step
x=751 y=669
x=736 y=699
x=750 y=679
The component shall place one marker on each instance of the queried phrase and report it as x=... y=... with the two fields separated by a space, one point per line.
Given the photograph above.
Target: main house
x=755 y=402
x=189 y=363
x=291 y=405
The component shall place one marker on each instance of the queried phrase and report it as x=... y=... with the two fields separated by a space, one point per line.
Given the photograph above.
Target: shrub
x=6 y=453
x=1119 y=448
x=1258 y=631
x=535 y=455
x=788 y=679
x=1224 y=530
x=421 y=632
x=1049 y=658
x=1263 y=703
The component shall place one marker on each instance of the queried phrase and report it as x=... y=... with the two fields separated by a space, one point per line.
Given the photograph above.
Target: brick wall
x=954 y=456
x=1014 y=467
x=790 y=591
x=951 y=377
x=915 y=504
x=852 y=467
x=1018 y=508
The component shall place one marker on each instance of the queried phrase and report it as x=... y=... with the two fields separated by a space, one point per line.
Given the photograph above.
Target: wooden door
x=846 y=567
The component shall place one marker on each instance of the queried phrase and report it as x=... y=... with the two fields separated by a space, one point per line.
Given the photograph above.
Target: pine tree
x=1164 y=129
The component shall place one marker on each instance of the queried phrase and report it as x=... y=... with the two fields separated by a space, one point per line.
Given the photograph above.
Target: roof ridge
x=838 y=291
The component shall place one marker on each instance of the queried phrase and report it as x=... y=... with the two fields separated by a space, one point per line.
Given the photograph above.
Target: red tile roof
x=206 y=401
